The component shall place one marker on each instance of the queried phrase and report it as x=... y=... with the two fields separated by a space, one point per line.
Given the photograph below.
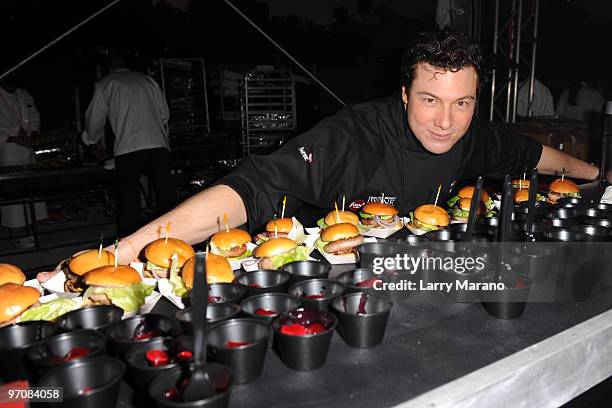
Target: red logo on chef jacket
x=306 y=156
x=356 y=205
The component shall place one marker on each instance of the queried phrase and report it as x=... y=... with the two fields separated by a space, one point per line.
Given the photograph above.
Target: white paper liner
x=313 y=231
x=56 y=285
x=378 y=232
x=237 y=263
x=606 y=198
x=415 y=231
x=345 y=258
x=34 y=283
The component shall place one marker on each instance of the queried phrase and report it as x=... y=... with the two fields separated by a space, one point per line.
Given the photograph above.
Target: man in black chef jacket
x=403 y=146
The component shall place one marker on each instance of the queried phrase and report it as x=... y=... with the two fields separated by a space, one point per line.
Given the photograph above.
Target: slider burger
x=283 y=227
x=159 y=252
x=15 y=299
x=332 y=218
x=563 y=188
x=230 y=243
x=468 y=192
x=277 y=252
x=339 y=239
x=218 y=270
x=11 y=274
x=380 y=215
x=82 y=263
x=461 y=210
x=120 y=286
x=429 y=217
x=522 y=195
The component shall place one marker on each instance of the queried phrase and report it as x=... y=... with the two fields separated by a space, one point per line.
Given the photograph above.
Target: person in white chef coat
x=19 y=128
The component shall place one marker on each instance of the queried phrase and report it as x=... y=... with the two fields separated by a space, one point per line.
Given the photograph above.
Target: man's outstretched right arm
x=193 y=221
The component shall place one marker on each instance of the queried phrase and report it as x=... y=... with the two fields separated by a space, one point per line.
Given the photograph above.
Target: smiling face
x=440 y=105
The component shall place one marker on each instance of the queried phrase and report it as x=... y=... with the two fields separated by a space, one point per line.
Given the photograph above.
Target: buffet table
x=437 y=353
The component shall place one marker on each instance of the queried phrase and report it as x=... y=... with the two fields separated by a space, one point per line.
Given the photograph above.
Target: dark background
x=353 y=46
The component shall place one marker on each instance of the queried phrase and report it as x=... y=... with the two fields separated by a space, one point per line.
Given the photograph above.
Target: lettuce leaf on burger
x=120 y=286
x=277 y=252
x=49 y=311
x=468 y=192
x=159 y=252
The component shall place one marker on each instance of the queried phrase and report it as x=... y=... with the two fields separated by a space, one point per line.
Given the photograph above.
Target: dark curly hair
x=442 y=49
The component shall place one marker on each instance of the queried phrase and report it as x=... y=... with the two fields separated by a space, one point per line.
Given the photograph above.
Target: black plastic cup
x=225 y=293
x=269 y=305
x=370 y=251
x=225 y=344
x=564 y=213
x=563 y=235
x=570 y=200
x=594 y=213
x=87 y=383
x=60 y=349
x=316 y=294
x=358 y=280
x=220 y=377
x=121 y=335
x=412 y=240
x=304 y=352
x=263 y=281
x=533 y=261
x=561 y=222
x=215 y=312
x=508 y=303
x=598 y=222
x=603 y=207
x=362 y=319
x=141 y=369
x=15 y=340
x=592 y=233
x=304 y=270
x=92 y=317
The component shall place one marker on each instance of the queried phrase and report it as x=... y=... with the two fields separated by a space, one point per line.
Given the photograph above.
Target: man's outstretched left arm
x=553 y=161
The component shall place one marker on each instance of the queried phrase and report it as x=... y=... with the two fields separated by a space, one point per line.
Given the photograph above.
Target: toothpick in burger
x=563 y=187
x=118 y=285
x=428 y=217
x=339 y=239
x=380 y=215
x=282 y=228
x=159 y=252
x=277 y=252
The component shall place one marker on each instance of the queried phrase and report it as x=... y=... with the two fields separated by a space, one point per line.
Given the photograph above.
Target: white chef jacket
x=136 y=109
x=17 y=110
x=542 y=104
x=589 y=100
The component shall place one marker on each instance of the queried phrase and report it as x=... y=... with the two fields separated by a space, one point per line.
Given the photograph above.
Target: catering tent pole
x=284 y=52
x=517 y=59
x=533 y=57
x=70 y=31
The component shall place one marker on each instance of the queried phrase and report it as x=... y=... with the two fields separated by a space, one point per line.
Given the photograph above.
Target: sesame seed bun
x=282 y=225
x=218 y=270
x=15 y=299
x=112 y=277
x=11 y=274
x=339 y=231
x=159 y=251
x=345 y=217
x=89 y=260
x=274 y=247
x=375 y=208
